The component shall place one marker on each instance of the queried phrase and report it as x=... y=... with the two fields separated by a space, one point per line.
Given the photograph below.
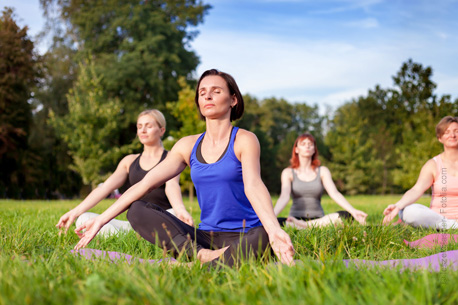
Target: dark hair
x=294 y=161
x=237 y=110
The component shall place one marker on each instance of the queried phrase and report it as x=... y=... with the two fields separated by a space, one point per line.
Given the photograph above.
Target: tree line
x=67 y=117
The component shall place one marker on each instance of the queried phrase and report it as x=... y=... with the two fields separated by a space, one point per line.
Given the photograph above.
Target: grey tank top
x=306 y=197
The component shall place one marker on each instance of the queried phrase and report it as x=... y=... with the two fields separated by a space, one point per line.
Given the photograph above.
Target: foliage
x=18 y=75
x=379 y=142
x=140 y=47
x=89 y=127
x=277 y=123
x=185 y=112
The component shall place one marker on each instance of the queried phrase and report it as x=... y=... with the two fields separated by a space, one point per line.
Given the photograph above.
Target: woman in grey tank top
x=305 y=181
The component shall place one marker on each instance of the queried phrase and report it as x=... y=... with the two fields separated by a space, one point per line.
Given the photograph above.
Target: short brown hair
x=237 y=110
x=442 y=126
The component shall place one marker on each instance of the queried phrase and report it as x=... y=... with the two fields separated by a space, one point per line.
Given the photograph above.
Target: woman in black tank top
x=131 y=169
x=305 y=181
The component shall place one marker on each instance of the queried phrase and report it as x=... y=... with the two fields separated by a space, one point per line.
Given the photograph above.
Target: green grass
x=36 y=266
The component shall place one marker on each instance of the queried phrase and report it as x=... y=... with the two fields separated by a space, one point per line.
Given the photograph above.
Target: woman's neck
x=153 y=150
x=305 y=163
x=450 y=154
x=217 y=130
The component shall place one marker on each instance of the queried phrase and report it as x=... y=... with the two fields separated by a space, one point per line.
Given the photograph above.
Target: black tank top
x=156 y=196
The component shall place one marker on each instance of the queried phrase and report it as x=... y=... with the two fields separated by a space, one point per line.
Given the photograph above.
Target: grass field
x=36 y=266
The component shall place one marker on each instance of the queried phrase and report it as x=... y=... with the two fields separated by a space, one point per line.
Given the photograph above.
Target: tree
x=89 y=126
x=277 y=123
x=18 y=74
x=186 y=113
x=140 y=47
x=379 y=142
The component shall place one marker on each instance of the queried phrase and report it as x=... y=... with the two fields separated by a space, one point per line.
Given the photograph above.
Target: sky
x=325 y=52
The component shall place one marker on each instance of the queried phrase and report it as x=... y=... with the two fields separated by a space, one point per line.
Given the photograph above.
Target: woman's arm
x=334 y=193
x=248 y=151
x=173 y=165
x=116 y=180
x=173 y=192
x=425 y=180
x=282 y=201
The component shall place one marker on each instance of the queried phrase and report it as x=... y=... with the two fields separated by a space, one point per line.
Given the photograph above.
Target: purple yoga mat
x=432 y=240
x=115 y=257
x=433 y=262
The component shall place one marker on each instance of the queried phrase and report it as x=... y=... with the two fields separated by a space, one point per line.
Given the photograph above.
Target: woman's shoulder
x=127 y=161
x=130 y=158
x=186 y=144
x=245 y=135
x=323 y=170
x=287 y=173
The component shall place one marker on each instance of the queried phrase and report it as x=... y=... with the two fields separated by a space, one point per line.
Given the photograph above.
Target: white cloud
x=368 y=23
x=266 y=66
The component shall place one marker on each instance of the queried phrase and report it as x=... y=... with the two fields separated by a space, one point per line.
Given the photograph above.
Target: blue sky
x=318 y=52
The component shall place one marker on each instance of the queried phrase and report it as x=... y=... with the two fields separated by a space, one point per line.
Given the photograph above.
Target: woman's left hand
x=282 y=246
x=360 y=216
x=185 y=217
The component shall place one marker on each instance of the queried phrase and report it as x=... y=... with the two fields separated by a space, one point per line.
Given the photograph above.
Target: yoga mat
x=433 y=262
x=115 y=257
x=432 y=240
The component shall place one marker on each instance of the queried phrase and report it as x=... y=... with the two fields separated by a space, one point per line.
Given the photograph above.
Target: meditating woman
x=305 y=181
x=237 y=218
x=440 y=173
x=132 y=168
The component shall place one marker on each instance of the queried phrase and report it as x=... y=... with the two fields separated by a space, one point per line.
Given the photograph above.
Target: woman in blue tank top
x=132 y=168
x=305 y=181
x=237 y=218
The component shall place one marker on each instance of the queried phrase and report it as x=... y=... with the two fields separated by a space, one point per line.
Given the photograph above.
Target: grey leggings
x=418 y=215
x=171 y=234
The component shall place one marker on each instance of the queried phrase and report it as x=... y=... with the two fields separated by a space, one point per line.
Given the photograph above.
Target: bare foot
x=207 y=255
x=294 y=222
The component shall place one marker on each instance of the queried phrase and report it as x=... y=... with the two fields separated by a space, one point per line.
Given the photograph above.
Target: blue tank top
x=221 y=193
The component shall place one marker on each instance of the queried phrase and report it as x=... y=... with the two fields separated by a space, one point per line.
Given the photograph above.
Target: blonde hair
x=443 y=124
x=156 y=114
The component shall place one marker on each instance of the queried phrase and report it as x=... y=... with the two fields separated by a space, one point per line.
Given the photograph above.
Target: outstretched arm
x=116 y=180
x=249 y=152
x=282 y=201
x=425 y=180
x=167 y=169
x=334 y=193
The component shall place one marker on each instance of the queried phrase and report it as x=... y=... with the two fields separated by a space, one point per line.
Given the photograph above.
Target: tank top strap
x=438 y=161
x=233 y=134
x=135 y=164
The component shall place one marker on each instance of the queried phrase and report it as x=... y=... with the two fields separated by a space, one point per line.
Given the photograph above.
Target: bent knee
x=136 y=210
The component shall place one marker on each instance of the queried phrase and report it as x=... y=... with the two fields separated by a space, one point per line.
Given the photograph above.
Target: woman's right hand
x=66 y=221
x=390 y=213
x=91 y=228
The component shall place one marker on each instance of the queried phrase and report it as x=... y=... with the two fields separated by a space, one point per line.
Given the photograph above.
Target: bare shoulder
x=430 y=167
x=287 y=173
x=128 y=160
x=185 y=145
x=324 y=171
x=245 y=137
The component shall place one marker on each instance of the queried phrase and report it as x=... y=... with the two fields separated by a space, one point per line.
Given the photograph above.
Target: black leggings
x=171 y=234
x=342 y=215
